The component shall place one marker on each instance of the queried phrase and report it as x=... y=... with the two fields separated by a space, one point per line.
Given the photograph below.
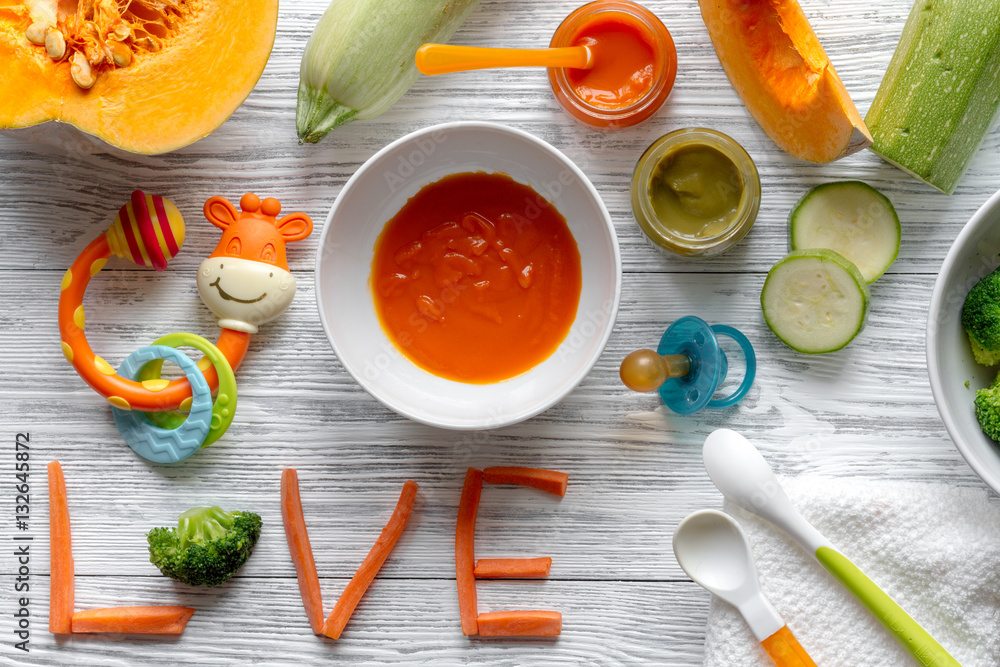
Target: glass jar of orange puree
x=635 y=63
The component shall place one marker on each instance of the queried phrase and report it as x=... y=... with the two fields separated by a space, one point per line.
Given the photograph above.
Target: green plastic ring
x=224 y=407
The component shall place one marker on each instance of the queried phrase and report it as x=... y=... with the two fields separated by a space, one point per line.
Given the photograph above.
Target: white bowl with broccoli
x=955 y=375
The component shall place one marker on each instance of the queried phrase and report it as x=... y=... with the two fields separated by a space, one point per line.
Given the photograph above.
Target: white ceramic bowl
x=378 y=190
x=974 y=254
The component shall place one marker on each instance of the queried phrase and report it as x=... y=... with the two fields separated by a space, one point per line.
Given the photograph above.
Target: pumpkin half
x=147 y=76
x=779 y=68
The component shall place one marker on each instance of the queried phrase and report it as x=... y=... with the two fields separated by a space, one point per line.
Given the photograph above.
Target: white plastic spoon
x=741 y=473
x=713 y=550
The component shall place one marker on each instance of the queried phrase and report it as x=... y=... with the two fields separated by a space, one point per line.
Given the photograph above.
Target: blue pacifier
x=165 y=445
x=689 y=366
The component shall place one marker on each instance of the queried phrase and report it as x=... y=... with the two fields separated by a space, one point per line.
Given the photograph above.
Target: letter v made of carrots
x=305 y=566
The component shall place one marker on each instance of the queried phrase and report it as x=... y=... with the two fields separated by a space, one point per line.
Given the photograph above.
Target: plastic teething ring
x=149 y=231
x=162 y=445
x=224 y=407
x=751 y=366
x=99 y=374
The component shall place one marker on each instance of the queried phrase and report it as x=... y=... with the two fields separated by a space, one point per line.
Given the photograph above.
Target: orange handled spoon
x=713 y=550
x=444 y=58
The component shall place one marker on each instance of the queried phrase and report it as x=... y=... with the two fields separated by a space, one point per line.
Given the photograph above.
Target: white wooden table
x=634 y=470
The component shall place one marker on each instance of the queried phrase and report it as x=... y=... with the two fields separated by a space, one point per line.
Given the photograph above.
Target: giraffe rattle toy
x=245 y=282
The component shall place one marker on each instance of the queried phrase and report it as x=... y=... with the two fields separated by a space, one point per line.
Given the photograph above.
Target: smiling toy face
x=245 y=281
x=244 y=293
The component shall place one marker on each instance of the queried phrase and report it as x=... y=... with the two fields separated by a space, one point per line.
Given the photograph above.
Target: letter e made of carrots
x=535 y=623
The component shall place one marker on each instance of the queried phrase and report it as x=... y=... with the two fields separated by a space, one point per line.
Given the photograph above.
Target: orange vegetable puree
x=477 y=278
x=624 y=61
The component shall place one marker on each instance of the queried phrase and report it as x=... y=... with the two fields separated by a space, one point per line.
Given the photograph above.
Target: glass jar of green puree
x=695 y=192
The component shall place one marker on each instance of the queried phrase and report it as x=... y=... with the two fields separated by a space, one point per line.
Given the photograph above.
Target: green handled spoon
x=741 y=473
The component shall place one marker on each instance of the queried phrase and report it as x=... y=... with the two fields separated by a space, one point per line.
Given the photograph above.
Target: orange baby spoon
x=445 y=58
x=713 y=550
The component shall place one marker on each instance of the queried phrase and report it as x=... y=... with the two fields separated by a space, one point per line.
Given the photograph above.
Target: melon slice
x=780 y=70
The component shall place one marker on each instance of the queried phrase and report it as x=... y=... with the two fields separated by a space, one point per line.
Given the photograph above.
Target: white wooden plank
x=412 y=622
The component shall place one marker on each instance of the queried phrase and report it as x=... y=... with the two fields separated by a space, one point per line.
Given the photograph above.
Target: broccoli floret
x=981 y=319
x=988 y=409
x=208 y=546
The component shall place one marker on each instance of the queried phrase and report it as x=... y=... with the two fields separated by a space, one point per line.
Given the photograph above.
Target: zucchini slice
x=851 y=218
x=815 y=301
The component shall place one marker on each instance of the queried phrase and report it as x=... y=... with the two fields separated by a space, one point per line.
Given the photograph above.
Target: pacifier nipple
x=645 y=370
x=148 y=231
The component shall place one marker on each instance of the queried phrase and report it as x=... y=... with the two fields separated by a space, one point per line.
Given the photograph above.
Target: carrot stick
x=513 y=568
x=298 y=546
x=363 y=578
x=157 y=620
x=465 y=557
x=61 y=588
x=550 y=481
x=520 y=624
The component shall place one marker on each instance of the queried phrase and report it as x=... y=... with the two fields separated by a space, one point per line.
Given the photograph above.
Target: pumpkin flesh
x=777 y=65
x=182 y=68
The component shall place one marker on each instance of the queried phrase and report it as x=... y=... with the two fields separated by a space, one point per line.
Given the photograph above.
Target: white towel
x=935 y=549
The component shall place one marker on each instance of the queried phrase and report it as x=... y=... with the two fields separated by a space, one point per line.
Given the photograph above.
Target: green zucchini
x=360 y=58
x=851 y=218
x=941 y=91
x=815 y=301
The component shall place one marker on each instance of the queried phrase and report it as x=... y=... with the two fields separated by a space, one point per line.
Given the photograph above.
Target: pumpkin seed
x=55 y=44
x=121 y=54
x=36 y=33
x=81 y=72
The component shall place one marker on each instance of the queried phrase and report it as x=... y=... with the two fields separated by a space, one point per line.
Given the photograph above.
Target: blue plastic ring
x=162 y=445
x=751 y=363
